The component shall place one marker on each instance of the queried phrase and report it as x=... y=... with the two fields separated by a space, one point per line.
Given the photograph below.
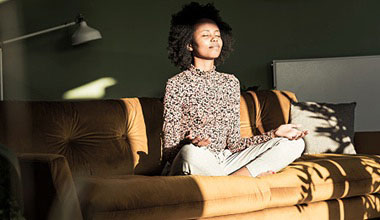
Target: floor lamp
x=83 y=34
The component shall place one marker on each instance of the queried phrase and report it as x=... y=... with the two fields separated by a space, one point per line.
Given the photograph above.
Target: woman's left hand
x=290 y=131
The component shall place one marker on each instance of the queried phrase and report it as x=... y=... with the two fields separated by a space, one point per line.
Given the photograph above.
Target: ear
x=189 y=47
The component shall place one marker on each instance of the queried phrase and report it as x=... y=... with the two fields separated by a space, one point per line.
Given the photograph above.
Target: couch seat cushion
x=134 y=196
x=324 y=176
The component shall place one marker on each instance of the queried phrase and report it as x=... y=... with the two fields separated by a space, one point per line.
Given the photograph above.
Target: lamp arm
x=78 y=20
x=39 y=32
x=21 y=38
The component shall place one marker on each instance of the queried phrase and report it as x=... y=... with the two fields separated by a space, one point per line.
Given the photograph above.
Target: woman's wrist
x=273 y=133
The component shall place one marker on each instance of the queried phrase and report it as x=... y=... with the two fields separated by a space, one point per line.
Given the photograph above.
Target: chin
x=214 y=55
x=210 y=56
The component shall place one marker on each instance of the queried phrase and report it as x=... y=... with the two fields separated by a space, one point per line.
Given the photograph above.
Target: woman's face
x=207 y=42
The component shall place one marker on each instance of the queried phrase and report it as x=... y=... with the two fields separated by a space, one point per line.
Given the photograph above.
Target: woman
x=201 y=130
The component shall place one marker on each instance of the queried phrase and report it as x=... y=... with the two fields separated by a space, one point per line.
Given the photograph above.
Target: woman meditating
x=201 y=129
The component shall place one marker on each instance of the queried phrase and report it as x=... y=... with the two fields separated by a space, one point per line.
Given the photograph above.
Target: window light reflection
x=92 y=90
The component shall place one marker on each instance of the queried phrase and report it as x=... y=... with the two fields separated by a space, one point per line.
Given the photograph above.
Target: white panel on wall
x=335 y=80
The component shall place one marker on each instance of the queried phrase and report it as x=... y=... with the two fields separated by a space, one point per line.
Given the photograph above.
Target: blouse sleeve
x=235 y=142
x=172 y=115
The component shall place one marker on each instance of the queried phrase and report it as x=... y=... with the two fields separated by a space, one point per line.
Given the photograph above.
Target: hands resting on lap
x=289 y=131
x=197 y=141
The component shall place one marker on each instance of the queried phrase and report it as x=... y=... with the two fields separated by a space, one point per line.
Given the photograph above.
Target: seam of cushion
x=304 y=202
x=260 y=192
x=335 y=159
x=178 y=204
x=340 y=182
x=268 y=207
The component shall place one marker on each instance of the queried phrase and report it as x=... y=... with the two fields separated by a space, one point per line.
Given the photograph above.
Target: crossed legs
x=264 y=158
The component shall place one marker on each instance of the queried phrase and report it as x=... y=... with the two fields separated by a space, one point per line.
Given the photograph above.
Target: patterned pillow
x=331 y=126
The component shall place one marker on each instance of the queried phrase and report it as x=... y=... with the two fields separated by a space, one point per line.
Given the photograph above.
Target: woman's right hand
x=290 y=131
x=197 y=141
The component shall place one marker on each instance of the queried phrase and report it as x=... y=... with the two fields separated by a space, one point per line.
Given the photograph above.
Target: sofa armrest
x=367 y=142
x=48 y=187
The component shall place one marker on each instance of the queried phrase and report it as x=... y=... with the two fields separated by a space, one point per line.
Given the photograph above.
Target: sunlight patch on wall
x=92 y=90
x=2 y=1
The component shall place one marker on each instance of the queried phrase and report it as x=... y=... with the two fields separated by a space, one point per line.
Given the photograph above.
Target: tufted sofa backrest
x=115 y=137
x=92 y=135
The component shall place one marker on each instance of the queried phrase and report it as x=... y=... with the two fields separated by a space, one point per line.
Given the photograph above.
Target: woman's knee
x=192 y=154
x=197 y=161
x=188 y=151
x=299 y=146
x=294 y=147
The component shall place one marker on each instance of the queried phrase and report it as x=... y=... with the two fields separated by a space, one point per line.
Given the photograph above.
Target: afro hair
x=182 y=28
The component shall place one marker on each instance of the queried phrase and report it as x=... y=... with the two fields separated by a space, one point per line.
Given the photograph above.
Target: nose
x=214 y=39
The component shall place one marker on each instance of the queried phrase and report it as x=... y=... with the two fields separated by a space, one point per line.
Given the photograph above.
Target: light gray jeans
x=272 y=155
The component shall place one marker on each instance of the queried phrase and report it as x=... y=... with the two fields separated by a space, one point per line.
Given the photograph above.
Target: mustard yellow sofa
x=101 y=159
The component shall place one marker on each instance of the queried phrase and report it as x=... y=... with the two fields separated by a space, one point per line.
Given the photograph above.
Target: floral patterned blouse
x=207 y=103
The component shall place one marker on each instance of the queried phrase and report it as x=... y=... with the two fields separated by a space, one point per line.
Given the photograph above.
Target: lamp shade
x=84 y=33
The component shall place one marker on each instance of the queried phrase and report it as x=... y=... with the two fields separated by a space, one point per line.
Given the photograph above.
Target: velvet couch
x=101 y=159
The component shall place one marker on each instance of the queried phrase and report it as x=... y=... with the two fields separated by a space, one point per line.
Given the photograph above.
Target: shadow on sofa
x=341 y=172
x=151 y=108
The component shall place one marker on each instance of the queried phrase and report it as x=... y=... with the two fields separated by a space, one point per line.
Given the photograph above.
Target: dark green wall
x=133 y=48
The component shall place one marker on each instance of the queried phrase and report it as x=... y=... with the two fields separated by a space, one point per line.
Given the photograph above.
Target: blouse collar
x=199 y=72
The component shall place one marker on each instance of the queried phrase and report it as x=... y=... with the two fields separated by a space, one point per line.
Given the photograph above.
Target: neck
x=204 y=65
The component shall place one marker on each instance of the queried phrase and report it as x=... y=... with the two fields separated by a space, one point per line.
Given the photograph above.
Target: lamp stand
x=1 y=75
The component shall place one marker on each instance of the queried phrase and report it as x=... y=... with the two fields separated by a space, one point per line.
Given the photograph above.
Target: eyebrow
x=210 y=31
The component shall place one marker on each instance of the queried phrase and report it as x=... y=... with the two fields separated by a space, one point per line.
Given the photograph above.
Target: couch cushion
x=262 y=111
x=90 y=134
x=173 y=197
x=331 y=126
x=324 y=176
x=353 y=208
x=144 y=125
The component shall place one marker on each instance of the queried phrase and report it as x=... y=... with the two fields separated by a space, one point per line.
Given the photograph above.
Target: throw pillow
x=331 y=126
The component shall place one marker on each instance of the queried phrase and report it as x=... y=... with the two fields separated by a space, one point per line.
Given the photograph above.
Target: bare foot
x=241 y=172
x=266 y=173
